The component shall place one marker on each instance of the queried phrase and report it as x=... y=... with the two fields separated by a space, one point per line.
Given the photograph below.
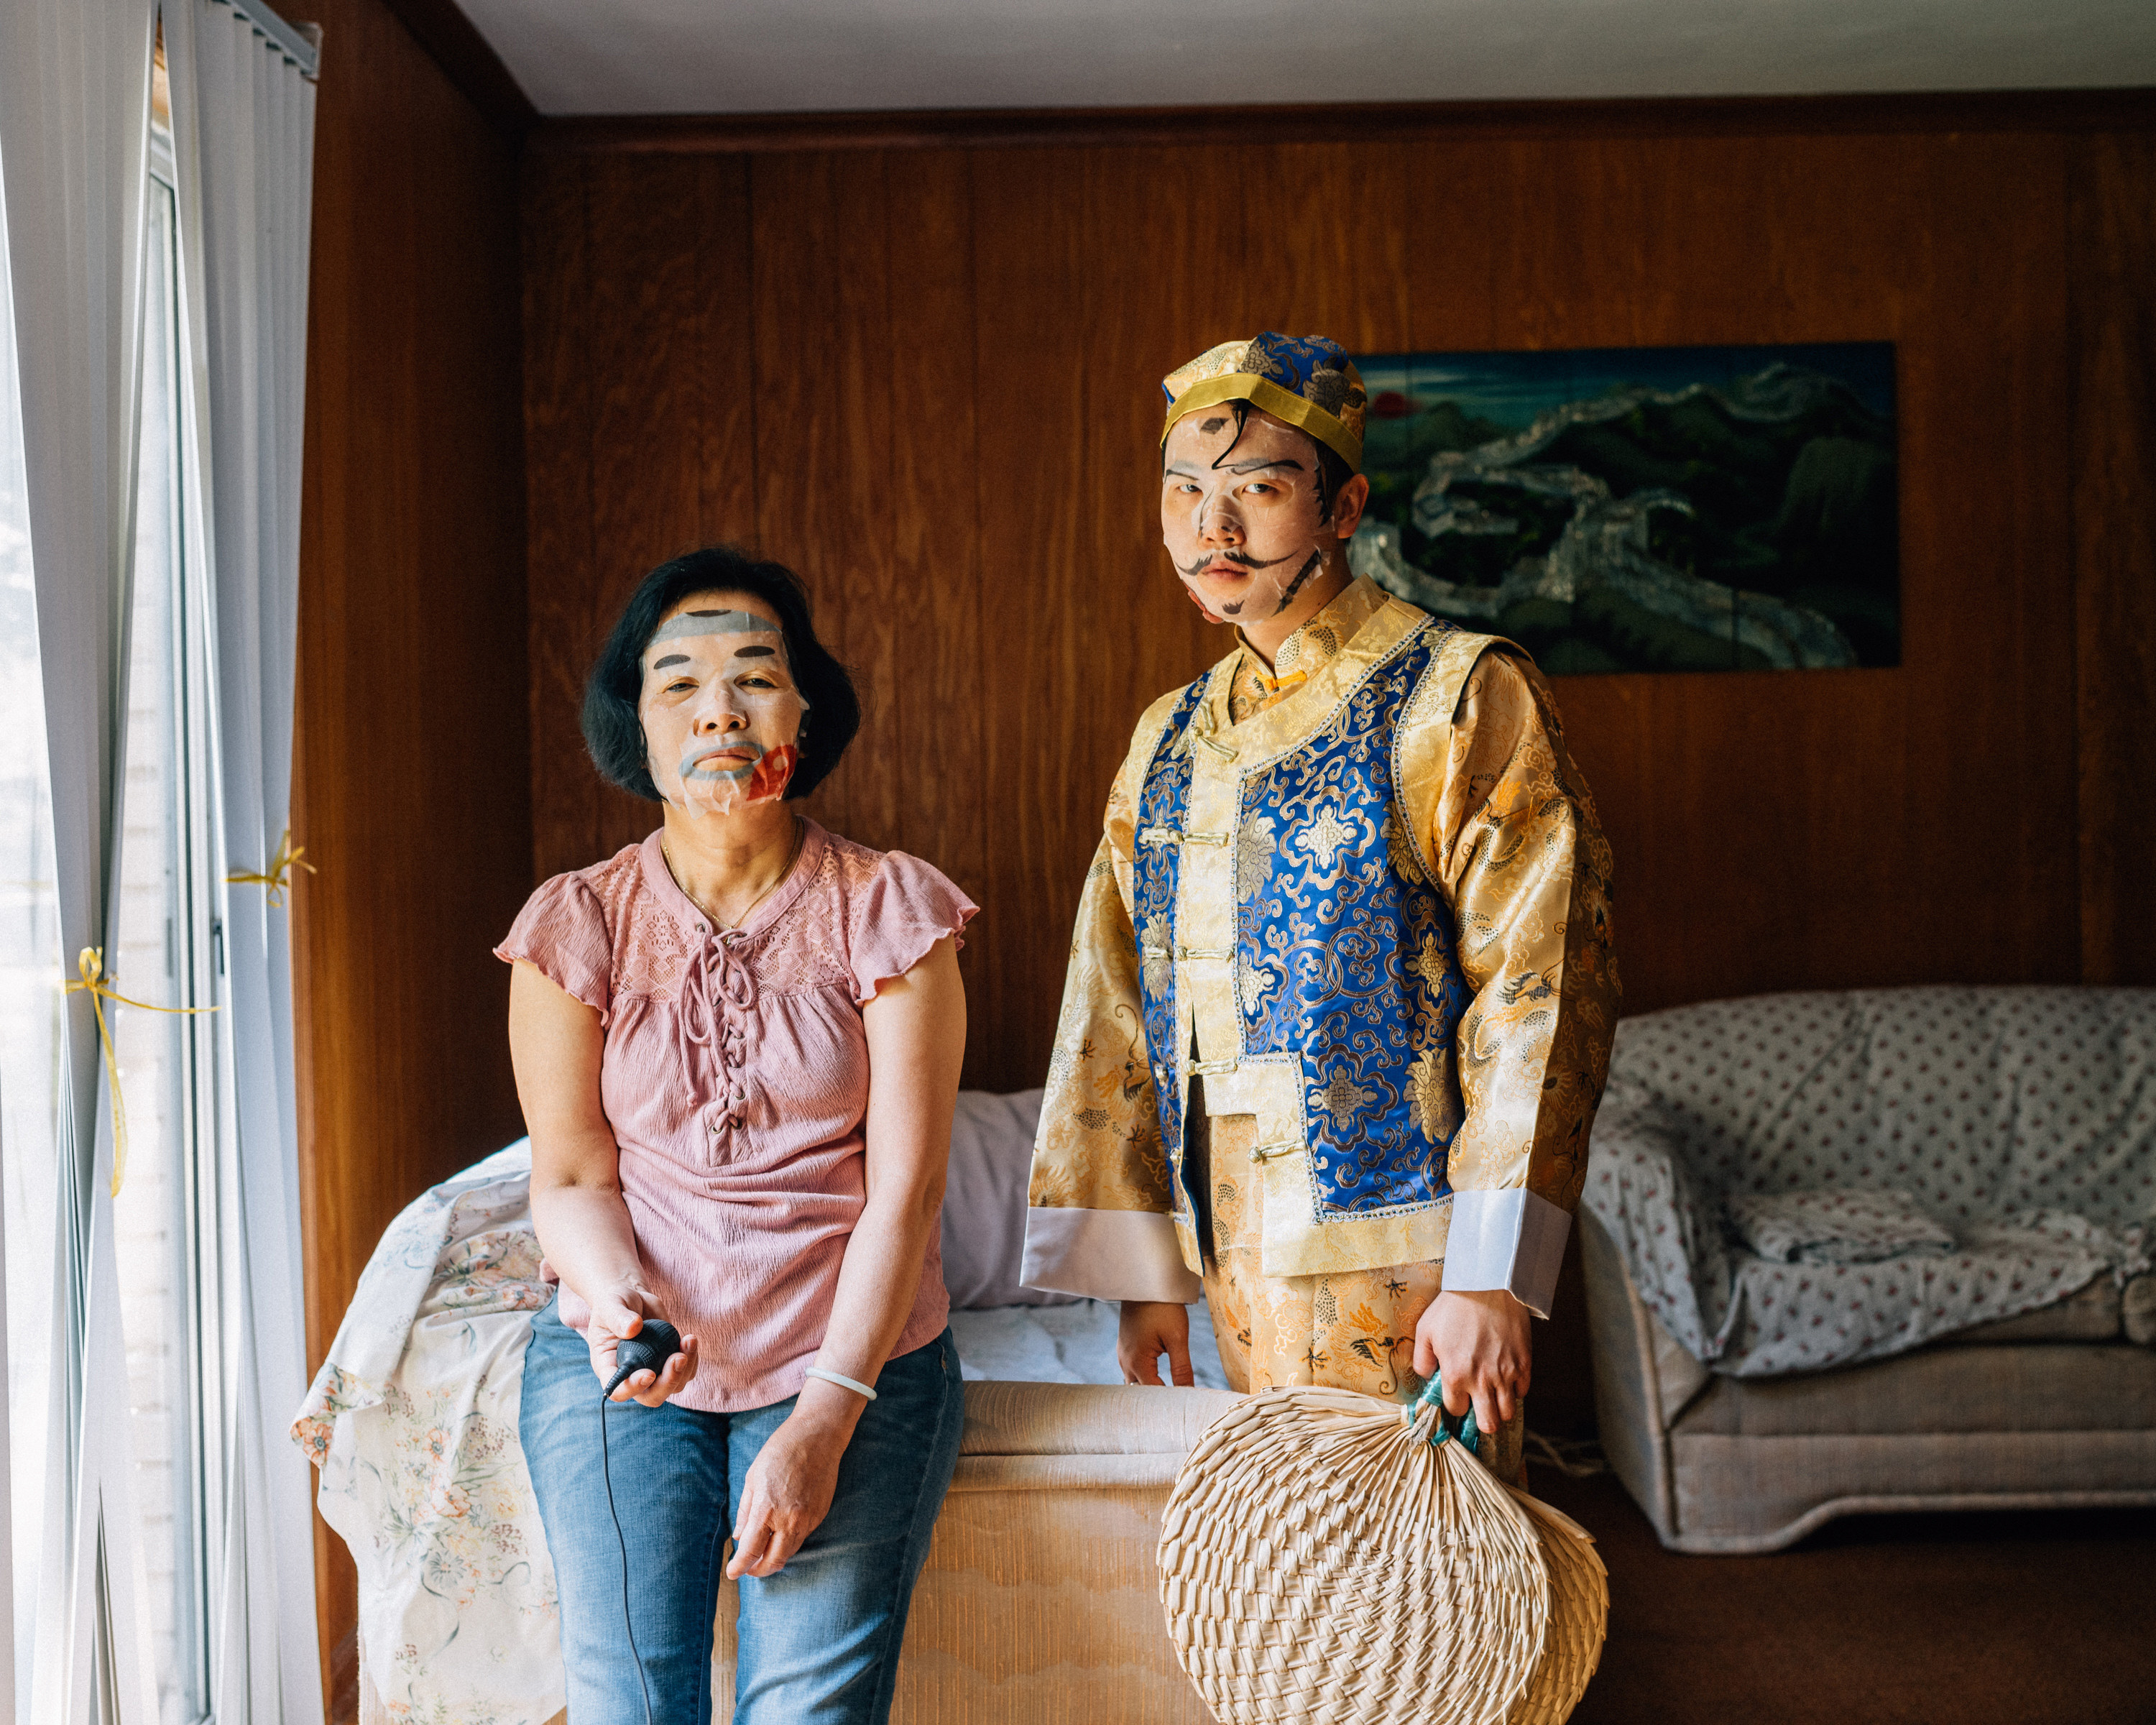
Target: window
x=29 y=1029
x=165 y=950
x=167 y=946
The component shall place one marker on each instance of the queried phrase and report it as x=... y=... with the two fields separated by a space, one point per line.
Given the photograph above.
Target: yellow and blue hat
x=1311 y=383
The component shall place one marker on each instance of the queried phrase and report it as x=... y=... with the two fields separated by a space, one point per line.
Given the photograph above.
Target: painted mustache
x=1288 y=594
x=1241 y=559
x=766 y=771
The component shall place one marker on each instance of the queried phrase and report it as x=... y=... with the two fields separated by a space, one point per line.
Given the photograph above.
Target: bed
x=1039 y=1602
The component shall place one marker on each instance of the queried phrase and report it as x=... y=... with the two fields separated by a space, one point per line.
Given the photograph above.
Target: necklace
x=793 y=853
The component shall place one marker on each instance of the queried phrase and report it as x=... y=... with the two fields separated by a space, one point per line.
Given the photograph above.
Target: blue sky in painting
x=1511 y=388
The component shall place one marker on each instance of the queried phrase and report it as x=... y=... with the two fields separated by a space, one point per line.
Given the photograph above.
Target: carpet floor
x=2022 y=1618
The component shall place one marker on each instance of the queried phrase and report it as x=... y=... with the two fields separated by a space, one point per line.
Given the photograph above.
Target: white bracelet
x=842 y=1383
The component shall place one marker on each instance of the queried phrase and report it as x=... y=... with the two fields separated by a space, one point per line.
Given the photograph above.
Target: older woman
x=738 y=1047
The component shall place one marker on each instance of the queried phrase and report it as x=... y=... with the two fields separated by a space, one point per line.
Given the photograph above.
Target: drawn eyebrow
x=754 y=652
x=1180 y=470
x=1214 y=424
x=670 y=658
x=715 y=623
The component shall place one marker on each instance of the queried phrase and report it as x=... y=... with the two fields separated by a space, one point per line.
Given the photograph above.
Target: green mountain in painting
x=1745 y=525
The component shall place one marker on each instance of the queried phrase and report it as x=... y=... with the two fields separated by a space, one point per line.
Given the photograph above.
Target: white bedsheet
x=1063 y=1344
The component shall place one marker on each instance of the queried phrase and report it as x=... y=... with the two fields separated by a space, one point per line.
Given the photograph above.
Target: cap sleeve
x=561 y=931
x=906 y=908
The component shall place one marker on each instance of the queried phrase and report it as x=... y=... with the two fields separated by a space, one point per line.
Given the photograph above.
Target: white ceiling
x=765 y=56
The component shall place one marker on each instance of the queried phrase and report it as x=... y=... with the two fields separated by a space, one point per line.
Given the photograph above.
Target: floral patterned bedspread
x=2020 y=1120
x=412 y=1421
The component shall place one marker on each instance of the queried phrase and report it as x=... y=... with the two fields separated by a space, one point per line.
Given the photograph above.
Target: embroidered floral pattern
x=1436 y=1093
x=1349 y=1330
x=1487 y=833
x=1157 y=955
x=1325 y=838
x=1164 y=802
x=1343 y=1099
x=1321 y=945
x=1254 y=855
x=1081 y=1159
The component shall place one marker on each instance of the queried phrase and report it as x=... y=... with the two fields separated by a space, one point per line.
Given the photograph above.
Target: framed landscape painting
x=1643 y=509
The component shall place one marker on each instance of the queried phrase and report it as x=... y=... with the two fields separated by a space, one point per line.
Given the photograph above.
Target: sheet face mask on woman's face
x=722 y=717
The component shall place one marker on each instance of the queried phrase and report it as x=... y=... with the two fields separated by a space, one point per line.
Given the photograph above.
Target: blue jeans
x=818 y=1640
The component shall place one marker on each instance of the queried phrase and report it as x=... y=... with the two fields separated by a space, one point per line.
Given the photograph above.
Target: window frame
x=197 y=943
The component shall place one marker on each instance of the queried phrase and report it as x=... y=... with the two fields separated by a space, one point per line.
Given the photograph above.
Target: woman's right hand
x=557 y=1045
x=621 y=1314
x=1147 y=1329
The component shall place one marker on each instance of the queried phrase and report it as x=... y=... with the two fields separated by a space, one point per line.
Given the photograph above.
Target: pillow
x=1835 y=1226
x=985 y=1201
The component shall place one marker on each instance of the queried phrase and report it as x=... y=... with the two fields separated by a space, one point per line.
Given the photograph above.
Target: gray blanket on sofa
x=1800 y=1181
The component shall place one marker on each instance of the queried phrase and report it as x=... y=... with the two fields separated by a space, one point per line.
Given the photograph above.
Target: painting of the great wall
x=1664 y=508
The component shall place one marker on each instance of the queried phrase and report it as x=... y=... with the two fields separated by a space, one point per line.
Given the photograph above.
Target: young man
x=1341 y=992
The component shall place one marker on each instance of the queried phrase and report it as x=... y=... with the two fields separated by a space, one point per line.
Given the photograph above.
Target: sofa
x=1753 y=1384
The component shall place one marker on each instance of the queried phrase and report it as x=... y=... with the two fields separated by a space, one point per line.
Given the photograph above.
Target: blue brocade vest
x=1344 y=957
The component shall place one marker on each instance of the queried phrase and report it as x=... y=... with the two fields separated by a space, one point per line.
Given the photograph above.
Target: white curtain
x=75 y=112
x=243 y=137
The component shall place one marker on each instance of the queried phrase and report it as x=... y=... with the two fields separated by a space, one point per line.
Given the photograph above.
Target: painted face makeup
x=1239 y=513
x=722 y=715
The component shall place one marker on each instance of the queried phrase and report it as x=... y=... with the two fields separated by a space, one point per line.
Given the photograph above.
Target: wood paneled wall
x=2111 y=228
x=916 y=357
x=925 y=377
x=413 y=787
x=917 y=361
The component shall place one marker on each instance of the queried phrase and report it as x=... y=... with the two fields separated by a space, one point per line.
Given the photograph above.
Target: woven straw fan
x=1328 y=1556
x=1579 y=1617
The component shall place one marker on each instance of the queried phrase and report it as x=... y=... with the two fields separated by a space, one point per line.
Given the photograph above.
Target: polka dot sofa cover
x=1771 y=1350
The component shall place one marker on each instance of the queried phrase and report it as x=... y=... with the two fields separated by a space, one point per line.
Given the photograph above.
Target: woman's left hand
x=789 y=1491
x=916 y=1026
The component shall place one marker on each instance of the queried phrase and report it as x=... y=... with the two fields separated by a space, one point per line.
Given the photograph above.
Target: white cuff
x=1510 y=1240
x=1107 y=1255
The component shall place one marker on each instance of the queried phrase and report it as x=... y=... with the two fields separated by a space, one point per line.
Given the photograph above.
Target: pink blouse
x=736 y=1077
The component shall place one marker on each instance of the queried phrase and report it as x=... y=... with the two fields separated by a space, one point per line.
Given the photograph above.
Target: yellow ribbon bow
x=277 y=875
x=89 y=964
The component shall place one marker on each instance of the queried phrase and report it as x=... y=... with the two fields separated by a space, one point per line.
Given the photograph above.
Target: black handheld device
x=647 y=1351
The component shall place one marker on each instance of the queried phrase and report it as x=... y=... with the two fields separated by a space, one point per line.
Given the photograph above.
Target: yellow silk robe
x=1493 y=800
